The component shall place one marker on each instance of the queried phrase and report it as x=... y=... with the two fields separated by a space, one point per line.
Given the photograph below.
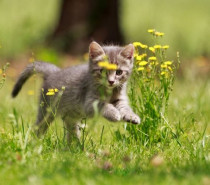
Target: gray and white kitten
x=85 y=85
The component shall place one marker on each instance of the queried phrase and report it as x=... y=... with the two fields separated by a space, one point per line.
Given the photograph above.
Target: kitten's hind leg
x=44 y=119
x=72 y=131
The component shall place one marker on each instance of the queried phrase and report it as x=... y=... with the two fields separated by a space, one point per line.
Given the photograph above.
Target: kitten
x=83 y=86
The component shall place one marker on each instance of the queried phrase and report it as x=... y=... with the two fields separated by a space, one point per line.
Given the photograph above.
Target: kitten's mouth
x=111 y=86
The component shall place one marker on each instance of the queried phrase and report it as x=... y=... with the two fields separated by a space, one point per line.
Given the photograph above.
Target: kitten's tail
x=35 y=67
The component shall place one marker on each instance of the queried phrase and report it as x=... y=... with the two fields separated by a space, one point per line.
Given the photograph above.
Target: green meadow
x=178 y=151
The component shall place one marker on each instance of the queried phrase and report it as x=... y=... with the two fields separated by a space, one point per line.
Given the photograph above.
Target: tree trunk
x=82 y=21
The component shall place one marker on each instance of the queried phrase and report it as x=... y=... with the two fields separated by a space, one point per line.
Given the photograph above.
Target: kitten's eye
x=119 y=72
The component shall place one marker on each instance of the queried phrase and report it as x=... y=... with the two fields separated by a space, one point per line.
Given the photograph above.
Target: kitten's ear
x=95 y=50
x=128 y=51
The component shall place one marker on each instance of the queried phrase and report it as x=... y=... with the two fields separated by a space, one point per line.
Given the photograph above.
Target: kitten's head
x=121 y=56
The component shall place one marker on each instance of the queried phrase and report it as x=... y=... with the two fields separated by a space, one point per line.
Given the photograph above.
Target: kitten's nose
x=111 y=82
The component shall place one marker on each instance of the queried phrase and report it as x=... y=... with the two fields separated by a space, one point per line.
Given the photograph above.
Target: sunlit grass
x=110 y=155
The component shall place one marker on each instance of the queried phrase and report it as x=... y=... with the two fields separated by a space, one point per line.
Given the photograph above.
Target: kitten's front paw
x=116 y=117
x=112 y=114
x=133 y=118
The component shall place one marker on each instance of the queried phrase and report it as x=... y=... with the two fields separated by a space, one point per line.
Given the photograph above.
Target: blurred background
x=60 y=30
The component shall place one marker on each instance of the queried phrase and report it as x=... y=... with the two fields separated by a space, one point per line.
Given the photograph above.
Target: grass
x=110 y=154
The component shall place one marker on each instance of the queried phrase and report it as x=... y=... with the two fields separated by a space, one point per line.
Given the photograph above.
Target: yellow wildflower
x=139 y=57
x=152 y=58
x=164 y=73
x=51 y=90
x=136 y=55
x=154 y=63
x=107 y=65
x=157 y=46
x=56 y=90
x=139 y=44
x=111 y=67
x=159 y=34
x=144 y=46
x=136 y=44
x=168 y=62
x=165 y=47
x=152 y=49
x=103 y=64
x=163 y=66
x=144 y=55
x=31 y=92
x=0 y=71
x=140 y=69
x=151 y=30
x=169 y=68
x=143 y=63
x=50 y=93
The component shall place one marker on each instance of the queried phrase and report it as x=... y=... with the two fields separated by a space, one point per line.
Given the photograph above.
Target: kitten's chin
x=113 y=86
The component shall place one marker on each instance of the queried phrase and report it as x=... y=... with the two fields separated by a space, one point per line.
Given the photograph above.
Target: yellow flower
x=152 y=58
x=163 y=66
x=140 y=69
x=159 y=34
x=107 y=65
x=50 y=93
x=157 y=46
x=103 y=64
x=136 y=55
x=165 y=47
x=139 y=57
x=144 y=46
x=111 y=67
x=136 y=44
x=154 y=63
x=168 y=62
x=0 y=71
x=139 y=44
x=164 y=73
x=169 y=68
x=144 y=55
x=56 y=90
x=143 y=63
x=31 y=92
x=152 y=49
x=151 y=30
x=50 y=90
